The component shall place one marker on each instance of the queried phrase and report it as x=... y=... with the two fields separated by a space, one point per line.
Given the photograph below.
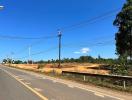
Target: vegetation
x=82 y=59
x=18 y=62
x=40 y=66
x=100 y=81
x=124 y=35
x=124 y=38
x=117 y=66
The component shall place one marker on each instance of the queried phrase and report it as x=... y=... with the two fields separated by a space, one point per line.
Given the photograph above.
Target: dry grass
x=25 y=66
x=85 y=67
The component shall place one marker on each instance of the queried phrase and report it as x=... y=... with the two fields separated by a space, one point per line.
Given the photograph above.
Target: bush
x=40 y=66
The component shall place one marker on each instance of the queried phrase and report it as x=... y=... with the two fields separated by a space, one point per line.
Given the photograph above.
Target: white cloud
x=82 y=51
x=85 y=50
x=76 y=52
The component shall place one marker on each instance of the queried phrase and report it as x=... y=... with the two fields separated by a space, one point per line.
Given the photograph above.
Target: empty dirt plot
x=78 y=67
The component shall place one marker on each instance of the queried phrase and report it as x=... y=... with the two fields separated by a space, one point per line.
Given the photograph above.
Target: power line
x=33 y=44
x=103 y=43
x=25 y=38
x=38 y=42
x=48 y=50
x=110 y=42
x=92 y=20
x=97 y=42
x=38 y=53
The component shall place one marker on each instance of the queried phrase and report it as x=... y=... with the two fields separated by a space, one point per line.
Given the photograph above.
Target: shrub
x=40 y=66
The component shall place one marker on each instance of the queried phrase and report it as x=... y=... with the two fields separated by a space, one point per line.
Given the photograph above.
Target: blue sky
x=40 y=18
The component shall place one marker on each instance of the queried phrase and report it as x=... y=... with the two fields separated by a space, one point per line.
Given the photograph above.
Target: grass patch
x=40 y=66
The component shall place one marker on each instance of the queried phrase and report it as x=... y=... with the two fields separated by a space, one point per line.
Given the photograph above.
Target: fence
x=117 y=81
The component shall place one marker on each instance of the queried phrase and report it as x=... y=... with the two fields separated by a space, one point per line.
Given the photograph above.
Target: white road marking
x=99 y=94
x=54 y=81
x=20 y=79
x=27 y=83
x=79 y=86
x=30 y=88
x=65 y=82
x=38 y=89
x=17 y=76
x=43 y=78
x=71 y=86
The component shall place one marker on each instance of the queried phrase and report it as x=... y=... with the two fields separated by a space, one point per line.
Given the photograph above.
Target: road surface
x=16 y=84
x=10 y=89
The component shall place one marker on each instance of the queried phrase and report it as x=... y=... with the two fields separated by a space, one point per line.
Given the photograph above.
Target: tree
x=86 y=59
x=4 y=61
x=66 y=60
x=99 y=57
x=18 y=62
x=40 y=62
x=72 y=60
x=121 y=69
x=124 y=35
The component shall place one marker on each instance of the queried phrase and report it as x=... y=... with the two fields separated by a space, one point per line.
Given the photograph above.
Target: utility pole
x=7 y=59
x=59 y=36
x=131 y=44
x=12 y=53
x=29 y=54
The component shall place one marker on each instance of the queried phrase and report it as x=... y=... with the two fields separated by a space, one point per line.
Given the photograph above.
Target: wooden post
x=124 y=84
x=84 y=78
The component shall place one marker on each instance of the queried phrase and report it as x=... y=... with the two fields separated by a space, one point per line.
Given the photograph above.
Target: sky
x=43 y=18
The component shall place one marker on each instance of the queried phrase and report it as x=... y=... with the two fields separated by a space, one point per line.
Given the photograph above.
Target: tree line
x=81 y=59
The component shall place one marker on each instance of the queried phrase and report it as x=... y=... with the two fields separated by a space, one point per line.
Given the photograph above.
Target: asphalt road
x=12 y=89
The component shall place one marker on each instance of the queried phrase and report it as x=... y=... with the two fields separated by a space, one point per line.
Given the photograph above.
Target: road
x=16 y=84
x=10 y=89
